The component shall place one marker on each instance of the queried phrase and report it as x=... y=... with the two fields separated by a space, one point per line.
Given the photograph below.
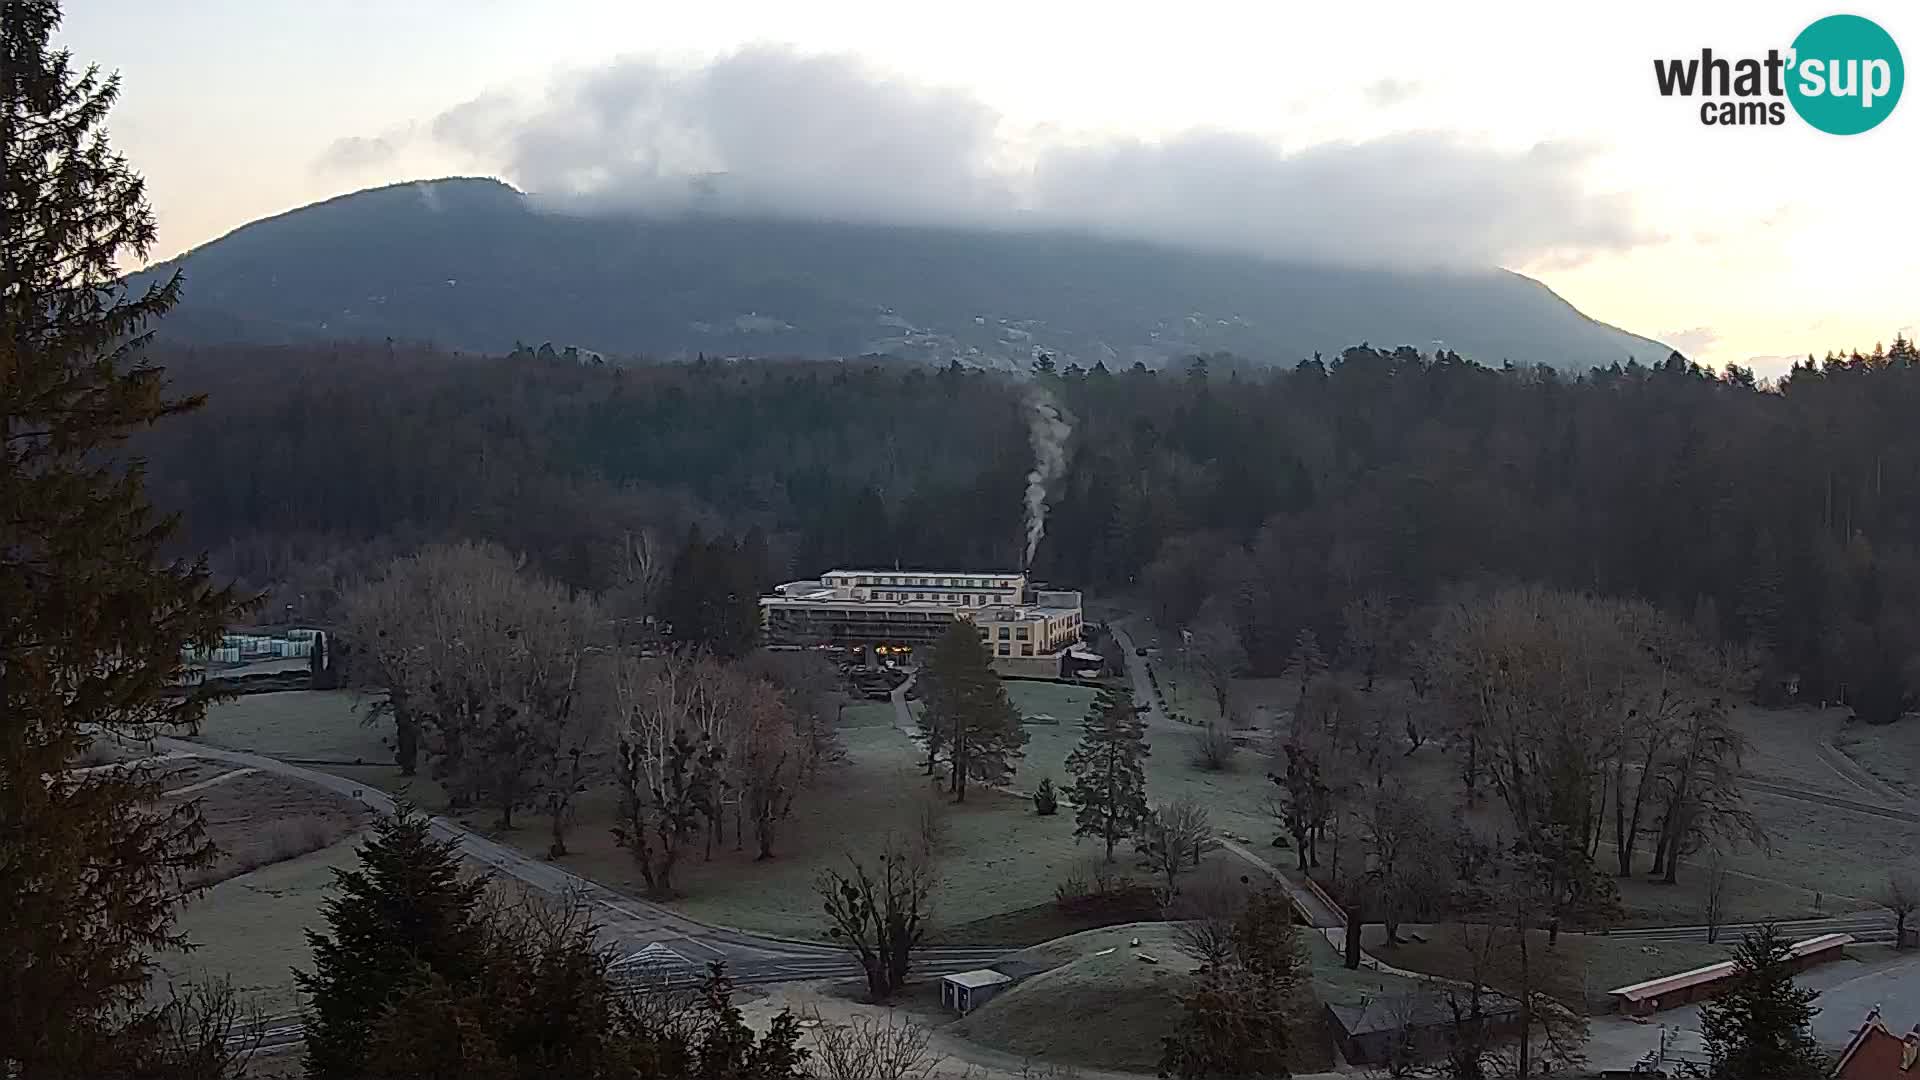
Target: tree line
x=517 y=692
x=1781 y=513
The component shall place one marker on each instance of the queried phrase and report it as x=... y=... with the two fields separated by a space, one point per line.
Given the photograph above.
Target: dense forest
x=1786 y=513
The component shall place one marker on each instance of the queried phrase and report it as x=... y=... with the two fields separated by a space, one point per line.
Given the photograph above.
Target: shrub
x=1072 y=891
x=1213 y=747
x=1046 y=802
x=930 y=823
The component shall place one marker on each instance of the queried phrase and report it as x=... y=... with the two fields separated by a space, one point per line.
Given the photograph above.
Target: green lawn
x=1233 y=797
x=318 y=725
x=866 y=714
x=1581 y=967
x=1000 y=858
x=1096 y=1011
x=251 y=928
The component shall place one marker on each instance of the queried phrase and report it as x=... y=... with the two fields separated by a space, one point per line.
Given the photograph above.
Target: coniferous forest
x=1785 y=512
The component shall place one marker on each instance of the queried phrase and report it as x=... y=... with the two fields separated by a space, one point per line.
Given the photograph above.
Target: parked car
x=1141 y=651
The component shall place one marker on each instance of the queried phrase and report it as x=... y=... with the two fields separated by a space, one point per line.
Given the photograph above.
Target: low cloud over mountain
x=767 y=132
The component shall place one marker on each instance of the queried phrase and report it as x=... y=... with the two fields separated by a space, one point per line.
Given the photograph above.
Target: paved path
x=1865 y=926
x=1144 y=696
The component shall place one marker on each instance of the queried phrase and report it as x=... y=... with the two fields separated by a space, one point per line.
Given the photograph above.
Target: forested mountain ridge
x=470 y=264
x=1788 y=515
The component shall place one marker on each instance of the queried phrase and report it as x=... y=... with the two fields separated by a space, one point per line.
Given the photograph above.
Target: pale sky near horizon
x=1529 y=134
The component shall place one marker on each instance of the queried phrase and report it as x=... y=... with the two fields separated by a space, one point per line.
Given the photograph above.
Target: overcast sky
x=1526 y=135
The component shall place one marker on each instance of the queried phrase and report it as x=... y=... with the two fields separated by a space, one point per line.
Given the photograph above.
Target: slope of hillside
x=473 y=265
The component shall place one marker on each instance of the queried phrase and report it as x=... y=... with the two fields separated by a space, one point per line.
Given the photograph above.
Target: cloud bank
x=767 y=131
x=1691 y=342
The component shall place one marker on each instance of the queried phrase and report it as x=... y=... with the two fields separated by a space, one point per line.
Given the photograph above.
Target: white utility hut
x=969 y=990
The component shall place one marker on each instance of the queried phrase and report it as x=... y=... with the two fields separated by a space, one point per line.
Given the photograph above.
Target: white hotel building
x=1029 y=630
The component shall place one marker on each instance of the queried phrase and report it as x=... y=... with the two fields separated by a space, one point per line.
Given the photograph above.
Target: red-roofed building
x=1876 y=1053
x=1687 y=987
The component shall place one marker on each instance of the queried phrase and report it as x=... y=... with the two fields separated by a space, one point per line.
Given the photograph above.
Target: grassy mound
x=1099 y=1011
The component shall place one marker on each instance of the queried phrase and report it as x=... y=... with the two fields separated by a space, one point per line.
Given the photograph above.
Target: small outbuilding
x=969 y=990
x=1699 y=984
x=1416 y=1023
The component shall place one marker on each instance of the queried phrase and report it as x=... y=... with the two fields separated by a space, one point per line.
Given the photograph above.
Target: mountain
x=473 y=264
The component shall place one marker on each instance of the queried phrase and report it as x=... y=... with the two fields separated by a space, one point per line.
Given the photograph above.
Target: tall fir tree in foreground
x=1761 y=1028
x=93 y=618
x=968 y=706
x=1109 y=789
x=421 y=976
x=404 y=915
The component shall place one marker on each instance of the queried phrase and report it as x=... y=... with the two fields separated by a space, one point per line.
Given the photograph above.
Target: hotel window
x=1004 y=634
x=1020 y=633
x=1026 y=650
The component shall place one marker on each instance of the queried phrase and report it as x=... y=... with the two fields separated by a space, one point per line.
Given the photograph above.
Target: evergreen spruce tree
x=967 y=702
x=406 y=915
x=1759 y=1029
x=712 y=599
x=1109 y=789
x=1046 y=801
x=93 y=619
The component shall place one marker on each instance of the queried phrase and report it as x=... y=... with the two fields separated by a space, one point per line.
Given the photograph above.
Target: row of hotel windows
x=956 y=599
x=959 y=582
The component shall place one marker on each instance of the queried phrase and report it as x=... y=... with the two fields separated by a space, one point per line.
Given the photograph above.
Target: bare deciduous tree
x=1901 y=895
x=874 y=1048
x=1213 y=747
x=1370 y=625
x=1714 y=902
x=1204 y=915
x=484 y=659
x=1406 y=859
x=1213 y=651
x=1561 y=701
x=815 y=693
x=879 y=913
x=932 y=820
x=641 y=564
x=1699 y=789
x=770 y=754
x=1173 y=840
x=667 y=769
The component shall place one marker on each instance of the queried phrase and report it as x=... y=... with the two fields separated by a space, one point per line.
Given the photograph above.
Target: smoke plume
x=1048 y=426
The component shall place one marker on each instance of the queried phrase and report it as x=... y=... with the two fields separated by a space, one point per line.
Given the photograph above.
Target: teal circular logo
x=1846 y=76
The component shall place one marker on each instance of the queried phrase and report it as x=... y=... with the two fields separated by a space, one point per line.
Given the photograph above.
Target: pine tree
x=405 y=914
x=1046 y=801
x=966 y=700
x=1759 y=1029
x=712 y=599
x=93 y=620
x=1109 y=790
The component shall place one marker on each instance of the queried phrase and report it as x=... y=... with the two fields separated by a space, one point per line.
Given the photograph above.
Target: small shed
x=969 y=990
x=1419 y=1023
